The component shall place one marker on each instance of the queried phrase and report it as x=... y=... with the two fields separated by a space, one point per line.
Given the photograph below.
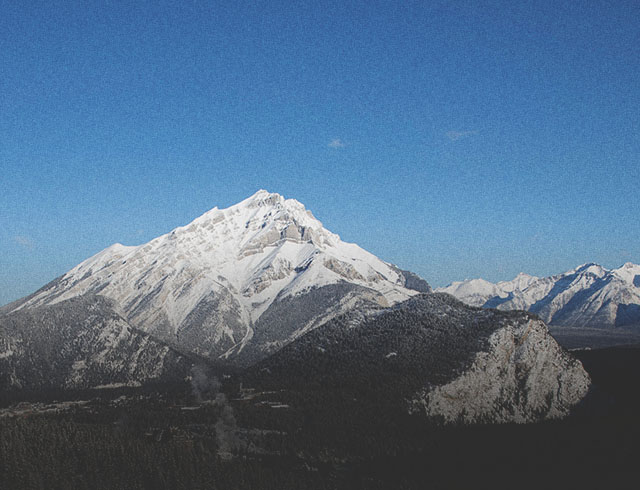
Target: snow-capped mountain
x=251 y=277
x=262 y=280
x=587 y=296
x=476 y=292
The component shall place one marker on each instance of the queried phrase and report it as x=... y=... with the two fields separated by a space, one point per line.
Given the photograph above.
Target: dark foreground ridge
x=399 y=358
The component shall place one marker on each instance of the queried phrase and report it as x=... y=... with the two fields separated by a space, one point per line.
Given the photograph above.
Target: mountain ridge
x=588 y=296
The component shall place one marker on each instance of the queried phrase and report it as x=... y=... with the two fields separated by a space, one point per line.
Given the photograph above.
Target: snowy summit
x=206 y=285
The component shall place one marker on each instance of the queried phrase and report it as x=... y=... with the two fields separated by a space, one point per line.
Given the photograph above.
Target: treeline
x=53 y=453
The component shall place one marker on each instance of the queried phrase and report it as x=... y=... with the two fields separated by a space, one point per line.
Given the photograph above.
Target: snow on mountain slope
x=204 y=286
x=520 y=282
x=80 y=343
x=587 y=296
x=474 y=292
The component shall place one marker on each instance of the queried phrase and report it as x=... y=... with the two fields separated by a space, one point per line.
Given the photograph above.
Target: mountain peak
x=589 y=267
x=204 y=285
x=273 y=202
x=262 y=198
x=257 y=214
x=262 y=193
x=629 y=273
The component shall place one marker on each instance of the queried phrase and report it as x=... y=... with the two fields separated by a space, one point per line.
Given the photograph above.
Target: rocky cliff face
x=523 y=375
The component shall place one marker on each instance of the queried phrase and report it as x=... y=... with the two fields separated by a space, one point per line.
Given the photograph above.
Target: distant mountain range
x=589 y=296
x=263 y=285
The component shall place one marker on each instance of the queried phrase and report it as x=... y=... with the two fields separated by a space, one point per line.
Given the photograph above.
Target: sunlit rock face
x=522 y=376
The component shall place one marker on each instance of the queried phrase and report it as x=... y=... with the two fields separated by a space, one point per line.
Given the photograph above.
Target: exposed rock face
x=523 y=376
x=415 y=282
x=80 y=343
x=589 y=296
x=434 y=355
x=203 y=287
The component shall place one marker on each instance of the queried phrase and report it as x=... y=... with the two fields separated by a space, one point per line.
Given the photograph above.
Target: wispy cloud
x=456 y=135
x=24 y=241
x=336 y=143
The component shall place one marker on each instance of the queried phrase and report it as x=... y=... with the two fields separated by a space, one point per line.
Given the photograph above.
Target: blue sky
x=456 y=139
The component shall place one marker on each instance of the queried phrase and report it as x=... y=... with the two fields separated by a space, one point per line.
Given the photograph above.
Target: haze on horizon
x=454 y=139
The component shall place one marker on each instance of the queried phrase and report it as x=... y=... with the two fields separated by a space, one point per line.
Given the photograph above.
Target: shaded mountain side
x=290 y=317
x=80 y=343
x=431 y=354
x=426 y=334
x=628 y=316
x=210 y=327
x=415 y=282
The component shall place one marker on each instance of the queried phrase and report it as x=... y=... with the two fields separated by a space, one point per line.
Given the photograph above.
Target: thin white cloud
x=23 y=241
x=456 y=135
x=336 y=143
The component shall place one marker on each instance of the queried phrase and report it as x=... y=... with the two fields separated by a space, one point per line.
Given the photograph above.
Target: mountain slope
x=432 y=355
x=80 y=343
x=206 y=286
x=588 y=296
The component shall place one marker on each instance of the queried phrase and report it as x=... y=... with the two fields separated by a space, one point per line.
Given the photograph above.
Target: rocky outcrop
x=522 y=376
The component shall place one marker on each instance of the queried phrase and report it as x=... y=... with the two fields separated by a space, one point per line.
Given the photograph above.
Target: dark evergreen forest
x=234 y=437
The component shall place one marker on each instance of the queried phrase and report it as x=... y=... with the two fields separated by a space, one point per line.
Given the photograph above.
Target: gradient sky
x=456 y=139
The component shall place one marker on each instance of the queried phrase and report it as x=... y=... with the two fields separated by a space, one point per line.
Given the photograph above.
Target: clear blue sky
x=456 y=139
